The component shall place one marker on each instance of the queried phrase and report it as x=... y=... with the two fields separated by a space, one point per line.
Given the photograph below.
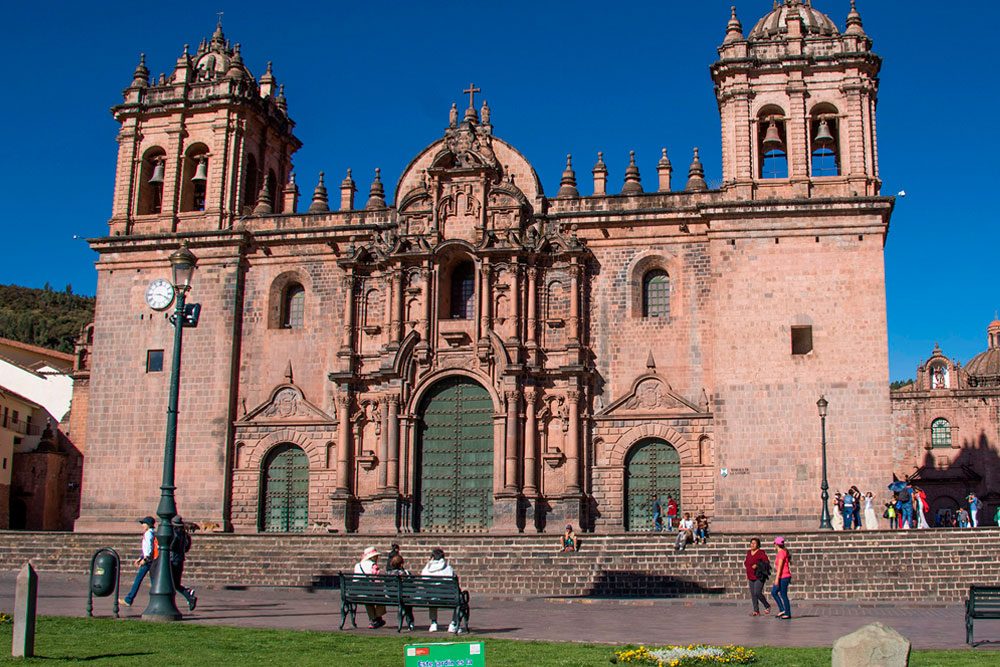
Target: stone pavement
x=659 y=621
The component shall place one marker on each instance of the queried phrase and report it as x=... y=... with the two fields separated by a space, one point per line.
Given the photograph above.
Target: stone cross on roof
x=472 y=90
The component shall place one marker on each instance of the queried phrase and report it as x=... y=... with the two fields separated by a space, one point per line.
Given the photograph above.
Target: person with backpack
x=179 y=546
x=904 y=498
x=758 y=569
x=150 y=552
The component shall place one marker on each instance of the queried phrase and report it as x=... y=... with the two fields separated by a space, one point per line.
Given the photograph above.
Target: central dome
x=775 y=24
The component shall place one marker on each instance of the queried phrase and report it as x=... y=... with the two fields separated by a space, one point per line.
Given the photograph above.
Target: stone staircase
x=878 y=566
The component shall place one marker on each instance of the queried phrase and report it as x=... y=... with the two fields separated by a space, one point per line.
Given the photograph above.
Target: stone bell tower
x=797 y=99
x=202 y=146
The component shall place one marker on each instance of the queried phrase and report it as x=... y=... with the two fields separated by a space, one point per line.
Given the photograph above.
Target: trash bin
x=104 y=574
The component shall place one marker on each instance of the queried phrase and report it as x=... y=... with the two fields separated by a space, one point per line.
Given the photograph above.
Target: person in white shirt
x=438 y=566
x=144 y=562
x=685 y=532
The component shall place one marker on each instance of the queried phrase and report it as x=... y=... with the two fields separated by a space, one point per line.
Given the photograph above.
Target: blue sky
x=369 y=84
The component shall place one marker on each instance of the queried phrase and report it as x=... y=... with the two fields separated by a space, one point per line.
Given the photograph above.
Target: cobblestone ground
x=656 y=621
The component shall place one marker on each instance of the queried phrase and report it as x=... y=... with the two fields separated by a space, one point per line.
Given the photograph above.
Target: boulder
x=874 y=645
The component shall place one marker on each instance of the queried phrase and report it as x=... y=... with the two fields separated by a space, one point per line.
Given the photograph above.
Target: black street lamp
x=162 y=606
x=824 y=520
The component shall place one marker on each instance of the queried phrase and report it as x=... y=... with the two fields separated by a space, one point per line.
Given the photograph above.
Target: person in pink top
x=783 y=572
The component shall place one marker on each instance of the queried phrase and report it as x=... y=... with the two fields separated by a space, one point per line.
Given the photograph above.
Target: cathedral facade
x=476 y=355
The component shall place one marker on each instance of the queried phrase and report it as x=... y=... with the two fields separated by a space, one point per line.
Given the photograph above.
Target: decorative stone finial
x=280 y=101
x=453 y=115
x=696 y=175
x=484 y=113
x=236 y=69
x=288 y=372
x=633 y=182
x=376 y=195
x=347 y=190
x=650 y=362
x=567 y=186
x=663 y=170
x=265 y=205
x=600 y=172
x=734 y=30
x=140 y=78
x=854 y=25
x=320 y=201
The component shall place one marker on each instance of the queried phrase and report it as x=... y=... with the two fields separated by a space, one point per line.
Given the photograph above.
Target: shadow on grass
x=90 y=658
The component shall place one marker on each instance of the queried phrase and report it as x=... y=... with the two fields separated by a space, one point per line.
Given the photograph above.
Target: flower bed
x=685 y=656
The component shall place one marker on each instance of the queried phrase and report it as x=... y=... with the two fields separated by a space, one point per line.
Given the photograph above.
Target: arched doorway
x=455 y=458
x=653 y=468
x=285 y=493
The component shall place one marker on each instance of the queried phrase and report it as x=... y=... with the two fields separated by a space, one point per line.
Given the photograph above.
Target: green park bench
x=983 y=602
x=403 y=592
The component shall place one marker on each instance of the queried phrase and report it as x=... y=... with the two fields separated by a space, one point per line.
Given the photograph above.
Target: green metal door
x=286 y=491
x=652 y=468
x=456 y=458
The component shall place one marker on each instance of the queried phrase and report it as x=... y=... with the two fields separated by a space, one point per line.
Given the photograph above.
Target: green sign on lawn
x=468 y=654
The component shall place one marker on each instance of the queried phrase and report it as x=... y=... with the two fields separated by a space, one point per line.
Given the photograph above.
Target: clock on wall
x=160 y=294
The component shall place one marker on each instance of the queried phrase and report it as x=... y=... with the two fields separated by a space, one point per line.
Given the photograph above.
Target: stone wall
x=877 y=566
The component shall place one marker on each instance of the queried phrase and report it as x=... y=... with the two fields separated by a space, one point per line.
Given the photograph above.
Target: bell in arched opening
x=772 y=138
x=823 y=135
x=201 y=171
x=157 y=177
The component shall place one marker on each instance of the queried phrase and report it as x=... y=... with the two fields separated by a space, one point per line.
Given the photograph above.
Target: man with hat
x=369 y=565
x=145 y=561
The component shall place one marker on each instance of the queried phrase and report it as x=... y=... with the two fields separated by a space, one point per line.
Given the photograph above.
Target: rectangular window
x=802 y=340
x=15 y=417
x=154 y=361
x=5 y=463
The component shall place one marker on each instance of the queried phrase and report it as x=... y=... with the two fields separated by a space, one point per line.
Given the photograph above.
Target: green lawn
x=108 y=642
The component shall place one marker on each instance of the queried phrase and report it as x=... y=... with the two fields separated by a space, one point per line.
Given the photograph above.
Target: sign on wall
x=450 y=654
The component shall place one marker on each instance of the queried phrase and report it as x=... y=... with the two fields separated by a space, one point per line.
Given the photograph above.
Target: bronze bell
x=823 y=135
x=157 y=177
x=201 y=172
x=772 y=140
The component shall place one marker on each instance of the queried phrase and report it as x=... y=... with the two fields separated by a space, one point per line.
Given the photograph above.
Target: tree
x=43 y=317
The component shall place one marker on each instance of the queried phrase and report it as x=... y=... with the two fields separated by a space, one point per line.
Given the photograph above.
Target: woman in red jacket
x=752 y=563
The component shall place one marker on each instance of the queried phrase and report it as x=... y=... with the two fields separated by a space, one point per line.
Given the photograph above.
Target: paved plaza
x=656 y=621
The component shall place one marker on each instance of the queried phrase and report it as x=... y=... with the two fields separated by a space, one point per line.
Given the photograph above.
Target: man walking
x=905 y=498
x=657 y=513
x=179 y=547
x=145 y=561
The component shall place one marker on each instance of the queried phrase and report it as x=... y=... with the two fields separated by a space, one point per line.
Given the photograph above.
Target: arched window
x=940 y=433
x=293 y=307
x=250 y=185
x=272 y=191
x=656 y=294
x=195 y=180
x=825 y=141
x=150 y=201
x=463 y=289
x=772 y=144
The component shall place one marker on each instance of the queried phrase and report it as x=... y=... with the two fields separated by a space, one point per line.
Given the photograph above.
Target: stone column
x=383 y=447
x=343 y=441
x=396 y=320
x=573 y=443
x=574 y=303
x=340 y=500
x=515 y=303
x=348 y=330
x=530 y=443
x=532 y=313
x=393 y=470
x=510 y=446
x=428 y=296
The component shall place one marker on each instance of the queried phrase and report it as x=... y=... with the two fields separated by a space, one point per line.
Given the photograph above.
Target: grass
x=62 y=640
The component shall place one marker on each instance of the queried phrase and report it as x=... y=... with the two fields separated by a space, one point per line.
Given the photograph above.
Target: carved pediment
x=650 y=395
x=287 y=404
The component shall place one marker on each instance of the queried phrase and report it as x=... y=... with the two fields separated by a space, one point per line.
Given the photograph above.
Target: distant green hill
x=43 y=317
